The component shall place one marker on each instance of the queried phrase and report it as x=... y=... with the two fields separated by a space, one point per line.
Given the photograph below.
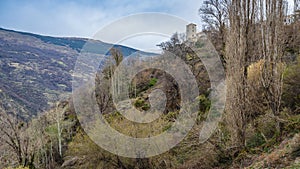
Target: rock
x=71 y=162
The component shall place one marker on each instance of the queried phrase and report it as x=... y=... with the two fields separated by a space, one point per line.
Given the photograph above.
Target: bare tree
x=215 y=15
x=104 y=79
x=271 y=51
x=238 y=56
x=59 y=118
x=37 y=130
x=245 y=45
x=103 y=95
x=61 y=123
x=117 y=55
x=13 y=134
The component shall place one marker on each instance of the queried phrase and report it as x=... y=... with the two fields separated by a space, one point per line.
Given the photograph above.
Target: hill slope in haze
x=35 y=70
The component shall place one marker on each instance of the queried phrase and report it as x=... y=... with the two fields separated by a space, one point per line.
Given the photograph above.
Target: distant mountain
x=35 y=70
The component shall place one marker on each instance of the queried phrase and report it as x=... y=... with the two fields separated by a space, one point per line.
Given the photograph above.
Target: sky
x=83 y=18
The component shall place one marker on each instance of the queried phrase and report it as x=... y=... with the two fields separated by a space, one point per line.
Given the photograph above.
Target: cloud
x=84 y=18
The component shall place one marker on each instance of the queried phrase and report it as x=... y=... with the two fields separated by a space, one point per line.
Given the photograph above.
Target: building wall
x=296 y=5
x=191 y=31
x=285 y=7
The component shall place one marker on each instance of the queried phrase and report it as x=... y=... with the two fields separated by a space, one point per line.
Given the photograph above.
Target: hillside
x=59 y=139
x=36 y=70
x=222 y=94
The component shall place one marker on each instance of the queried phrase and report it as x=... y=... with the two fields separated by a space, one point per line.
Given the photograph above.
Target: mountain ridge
x=35 y=70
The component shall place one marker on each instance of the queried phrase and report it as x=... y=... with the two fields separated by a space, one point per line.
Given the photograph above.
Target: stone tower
x=296 y=6
x=191 y=32
x=297 y=10
x=285 y=7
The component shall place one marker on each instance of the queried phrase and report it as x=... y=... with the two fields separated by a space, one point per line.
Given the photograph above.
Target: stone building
x=296 y=6
x=191 y=32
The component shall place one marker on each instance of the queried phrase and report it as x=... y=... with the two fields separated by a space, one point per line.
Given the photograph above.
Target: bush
x=146 y=107
x=152 y=82
x=199 y=44
x=139 y=103
x=204 y=103
x=266 y=125
x=291 y=86
x=292 y=125
x=256 y=140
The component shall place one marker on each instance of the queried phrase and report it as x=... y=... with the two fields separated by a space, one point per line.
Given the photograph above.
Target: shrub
x=256 y=140
x=199 y=44
x=139 y=102
x=146 y=107
x=291 y=86
x=152 y=82
x=204 y=103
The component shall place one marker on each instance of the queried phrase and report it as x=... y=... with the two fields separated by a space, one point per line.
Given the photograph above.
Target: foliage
x=256 y=140
x=292 y=125
x=152 y=82
x=199 y=44
x=146 y=107
x=205 y=103
x=139 y=102
x=291 y=87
